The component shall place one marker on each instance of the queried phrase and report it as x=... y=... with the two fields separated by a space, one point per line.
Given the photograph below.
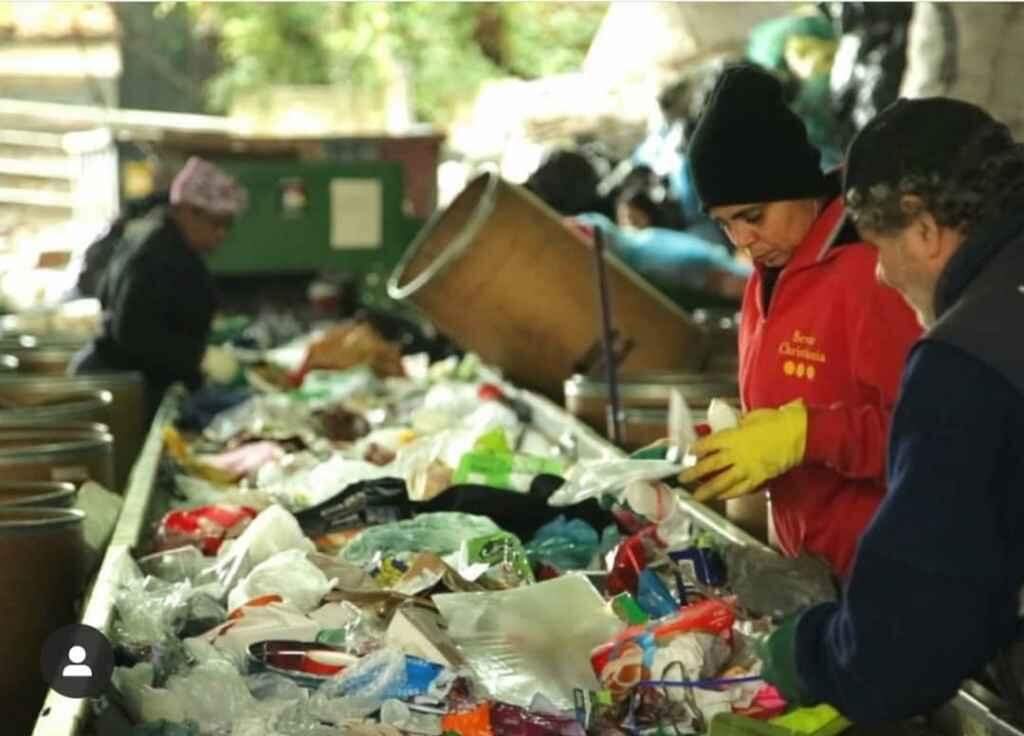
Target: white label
x=355 y=214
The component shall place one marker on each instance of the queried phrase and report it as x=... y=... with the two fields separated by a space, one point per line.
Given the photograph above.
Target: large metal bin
x=126 y=414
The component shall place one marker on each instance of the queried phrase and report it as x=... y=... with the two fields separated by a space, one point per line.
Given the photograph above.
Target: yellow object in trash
x=821 y=720
x=178 y=450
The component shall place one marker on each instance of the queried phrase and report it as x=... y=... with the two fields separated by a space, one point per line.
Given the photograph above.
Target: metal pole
x=606 y=335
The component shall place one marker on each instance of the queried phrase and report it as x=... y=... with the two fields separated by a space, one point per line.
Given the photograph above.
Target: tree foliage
x=447 y=49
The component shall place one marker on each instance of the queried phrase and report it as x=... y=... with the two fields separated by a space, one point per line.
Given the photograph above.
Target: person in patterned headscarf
x=158 y=297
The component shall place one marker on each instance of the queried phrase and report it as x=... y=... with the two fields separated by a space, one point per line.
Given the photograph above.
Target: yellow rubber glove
x=766 y=444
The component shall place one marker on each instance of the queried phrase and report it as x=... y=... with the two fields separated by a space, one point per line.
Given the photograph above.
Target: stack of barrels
x=56 y=433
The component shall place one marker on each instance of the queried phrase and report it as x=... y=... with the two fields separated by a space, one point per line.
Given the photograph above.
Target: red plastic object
x=768 y=703
x=711 y=616
x=205 y=527
x=300 y=658
x=489 y=392
x=630 y=560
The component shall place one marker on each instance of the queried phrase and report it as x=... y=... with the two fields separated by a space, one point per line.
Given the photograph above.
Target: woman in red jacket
x=822 y=343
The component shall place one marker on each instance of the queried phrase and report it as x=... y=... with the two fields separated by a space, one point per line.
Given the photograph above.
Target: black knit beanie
x=750 y=147
x=933 y=135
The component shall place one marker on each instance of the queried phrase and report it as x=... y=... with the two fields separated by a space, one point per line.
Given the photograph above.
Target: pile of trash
x=372 y=553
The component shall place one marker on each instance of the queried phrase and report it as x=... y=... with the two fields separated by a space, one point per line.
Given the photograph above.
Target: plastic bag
x=608 y=478
x=769 y=585
x=531 y=640
x=150 y=610
x=564 y=544
x=268 y=416
x=441 y=533
x=273 y=531
x=398 y=714
x=288 y=574
x=361 y=689
x=145 y=702
x=175 y=565
x=628 y=659
x=212 y=693
x=327 y=479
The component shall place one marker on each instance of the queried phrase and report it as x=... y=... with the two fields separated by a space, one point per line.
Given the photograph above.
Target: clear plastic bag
x=362 y=688
x=150 y=611
x=213 y=694
x=146 y=703
x=288 y=574
x=267 y=416
x=530 y=640
x=441 y=533
x=608 y=477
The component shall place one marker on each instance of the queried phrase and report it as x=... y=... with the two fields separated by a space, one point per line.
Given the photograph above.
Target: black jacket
x=935 y=587
x=159 y=301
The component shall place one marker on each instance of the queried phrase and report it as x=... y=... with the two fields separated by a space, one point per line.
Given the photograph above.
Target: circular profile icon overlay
x=77 y=661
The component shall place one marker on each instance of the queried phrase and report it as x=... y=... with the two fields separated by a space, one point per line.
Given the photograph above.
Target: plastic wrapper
x=324 y=387
x=504 y=470
x=500 y=558
x=531 y=640
x=146 y=703
x=565 y=544
x=150 y=610
x=200 y=492
x=365 y=503
x=260 y=620
x=654 y=596
x=364 y=687
x=269 y=416
x=175 y=565
x=288 y=574
x=427 y=463
x=769 y=585
x=204 y=527
x=608 y=478
x=307 y=664
x=629 y=658
x=243 y=460
x=213 y=694
x=509 y=719
x=328 y=478
x=401 y=716
x=441 y=533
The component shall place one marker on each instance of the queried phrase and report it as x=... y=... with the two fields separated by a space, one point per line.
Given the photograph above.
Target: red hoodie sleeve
x=852 y=439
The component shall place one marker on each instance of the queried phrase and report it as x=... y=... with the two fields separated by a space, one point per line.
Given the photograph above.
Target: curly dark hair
x=973 y=185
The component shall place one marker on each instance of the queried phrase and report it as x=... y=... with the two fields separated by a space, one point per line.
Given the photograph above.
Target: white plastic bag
x=290 y=575
x=273 y=531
